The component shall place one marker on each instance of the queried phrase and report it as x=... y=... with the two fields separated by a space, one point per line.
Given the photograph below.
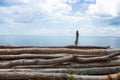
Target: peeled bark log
x=42 y=56
x=50 y=56
x=33 y=75
x=101 y=64
x=9 y=64
x=70 y=58
x=85 y=71
x=76 y=65
x=33 y=56
x=104 y=77
x=55 y=76
x=70 y=46
x=58 y=50
x=97 y=59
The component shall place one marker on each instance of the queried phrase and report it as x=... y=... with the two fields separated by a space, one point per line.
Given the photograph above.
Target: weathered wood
x=89 y=65
x=34 y=56
x=58 y=50
x=76 y=65
x=97 y=59
x=85 y=71
x=70 y=58
x=55 y=76
x=101 y=64
x=42 y=56
x=33 y=75
x=10 y=64
x=77 y=38
x=69 y=46
x=102 y=77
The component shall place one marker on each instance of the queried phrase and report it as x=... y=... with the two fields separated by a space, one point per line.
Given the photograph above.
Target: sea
x=37 y=40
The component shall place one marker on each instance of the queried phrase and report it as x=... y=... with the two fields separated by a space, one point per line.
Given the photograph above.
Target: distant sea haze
x=113 y=42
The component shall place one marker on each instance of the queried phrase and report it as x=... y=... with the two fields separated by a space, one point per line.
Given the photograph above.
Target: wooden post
x=77 y=38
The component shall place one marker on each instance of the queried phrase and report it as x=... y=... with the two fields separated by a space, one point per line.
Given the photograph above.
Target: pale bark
x=75 y=65
x=33 y=75
x=97 y=59
x=34 y=56
x=58 y=50
x=70 y=58
x=10 y=64
x=55 y=76
x=103 y=77
x=69 y=46
x=85 y=71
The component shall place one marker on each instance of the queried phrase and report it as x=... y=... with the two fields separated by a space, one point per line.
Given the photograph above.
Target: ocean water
x=113 y=42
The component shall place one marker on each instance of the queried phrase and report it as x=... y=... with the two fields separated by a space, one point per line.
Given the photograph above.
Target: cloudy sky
x=60 y=17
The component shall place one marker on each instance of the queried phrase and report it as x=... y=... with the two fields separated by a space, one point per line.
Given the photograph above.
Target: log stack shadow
x=59 y=63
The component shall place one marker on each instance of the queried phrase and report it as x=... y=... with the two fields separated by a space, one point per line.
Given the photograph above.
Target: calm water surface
x=114 y=42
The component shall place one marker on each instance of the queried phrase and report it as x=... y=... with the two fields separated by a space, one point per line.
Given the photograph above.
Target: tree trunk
x=57 y=50
x=55 y=76
x=84 y=71
x=70 y=46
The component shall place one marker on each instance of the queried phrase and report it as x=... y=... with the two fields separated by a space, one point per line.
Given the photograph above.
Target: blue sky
x=60 y=17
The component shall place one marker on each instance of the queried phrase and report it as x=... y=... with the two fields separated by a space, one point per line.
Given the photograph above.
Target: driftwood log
x=9 y=64
x=70 y=47
x=38 y=56
x=38 y=63
x=74 y=65
x=78 y=71
x=58 y=50
x=55 y=76
x=50 y=56
x=70 y=58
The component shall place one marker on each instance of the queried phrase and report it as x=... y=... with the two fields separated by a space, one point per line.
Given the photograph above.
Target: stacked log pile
x=59 y=63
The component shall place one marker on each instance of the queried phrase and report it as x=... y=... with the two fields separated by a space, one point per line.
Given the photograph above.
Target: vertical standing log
x=77 y=38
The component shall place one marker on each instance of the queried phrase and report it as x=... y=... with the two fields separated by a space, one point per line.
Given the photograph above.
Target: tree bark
x=97 y=59
x=70 y=58
x=51 y=56
x=55 y=76
x=103 y=77
x=33 y=56
x=69 y=46
x=33 y=75
x=58 y=50
x=10 y=64
x=84 y=71
x=75 y=65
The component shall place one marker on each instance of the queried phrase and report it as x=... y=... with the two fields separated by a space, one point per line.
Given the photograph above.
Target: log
x=33 y=75
x=101 y=64
x=58 y=50
x=50 y=56
x=69 y=46
x=70 y=58
x=76 y=65
x=55 y=76
x=10 y=64
x=42 y=56
x=97 y=59
x=85 y=71
x=34 y=56
x=103 y=77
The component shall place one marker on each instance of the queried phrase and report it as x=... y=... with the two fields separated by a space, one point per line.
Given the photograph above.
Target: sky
x=60 y=17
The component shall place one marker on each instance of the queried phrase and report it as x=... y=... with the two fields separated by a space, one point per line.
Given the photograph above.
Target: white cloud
x=105 y=8
x=34 y=9
x=58 y=13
